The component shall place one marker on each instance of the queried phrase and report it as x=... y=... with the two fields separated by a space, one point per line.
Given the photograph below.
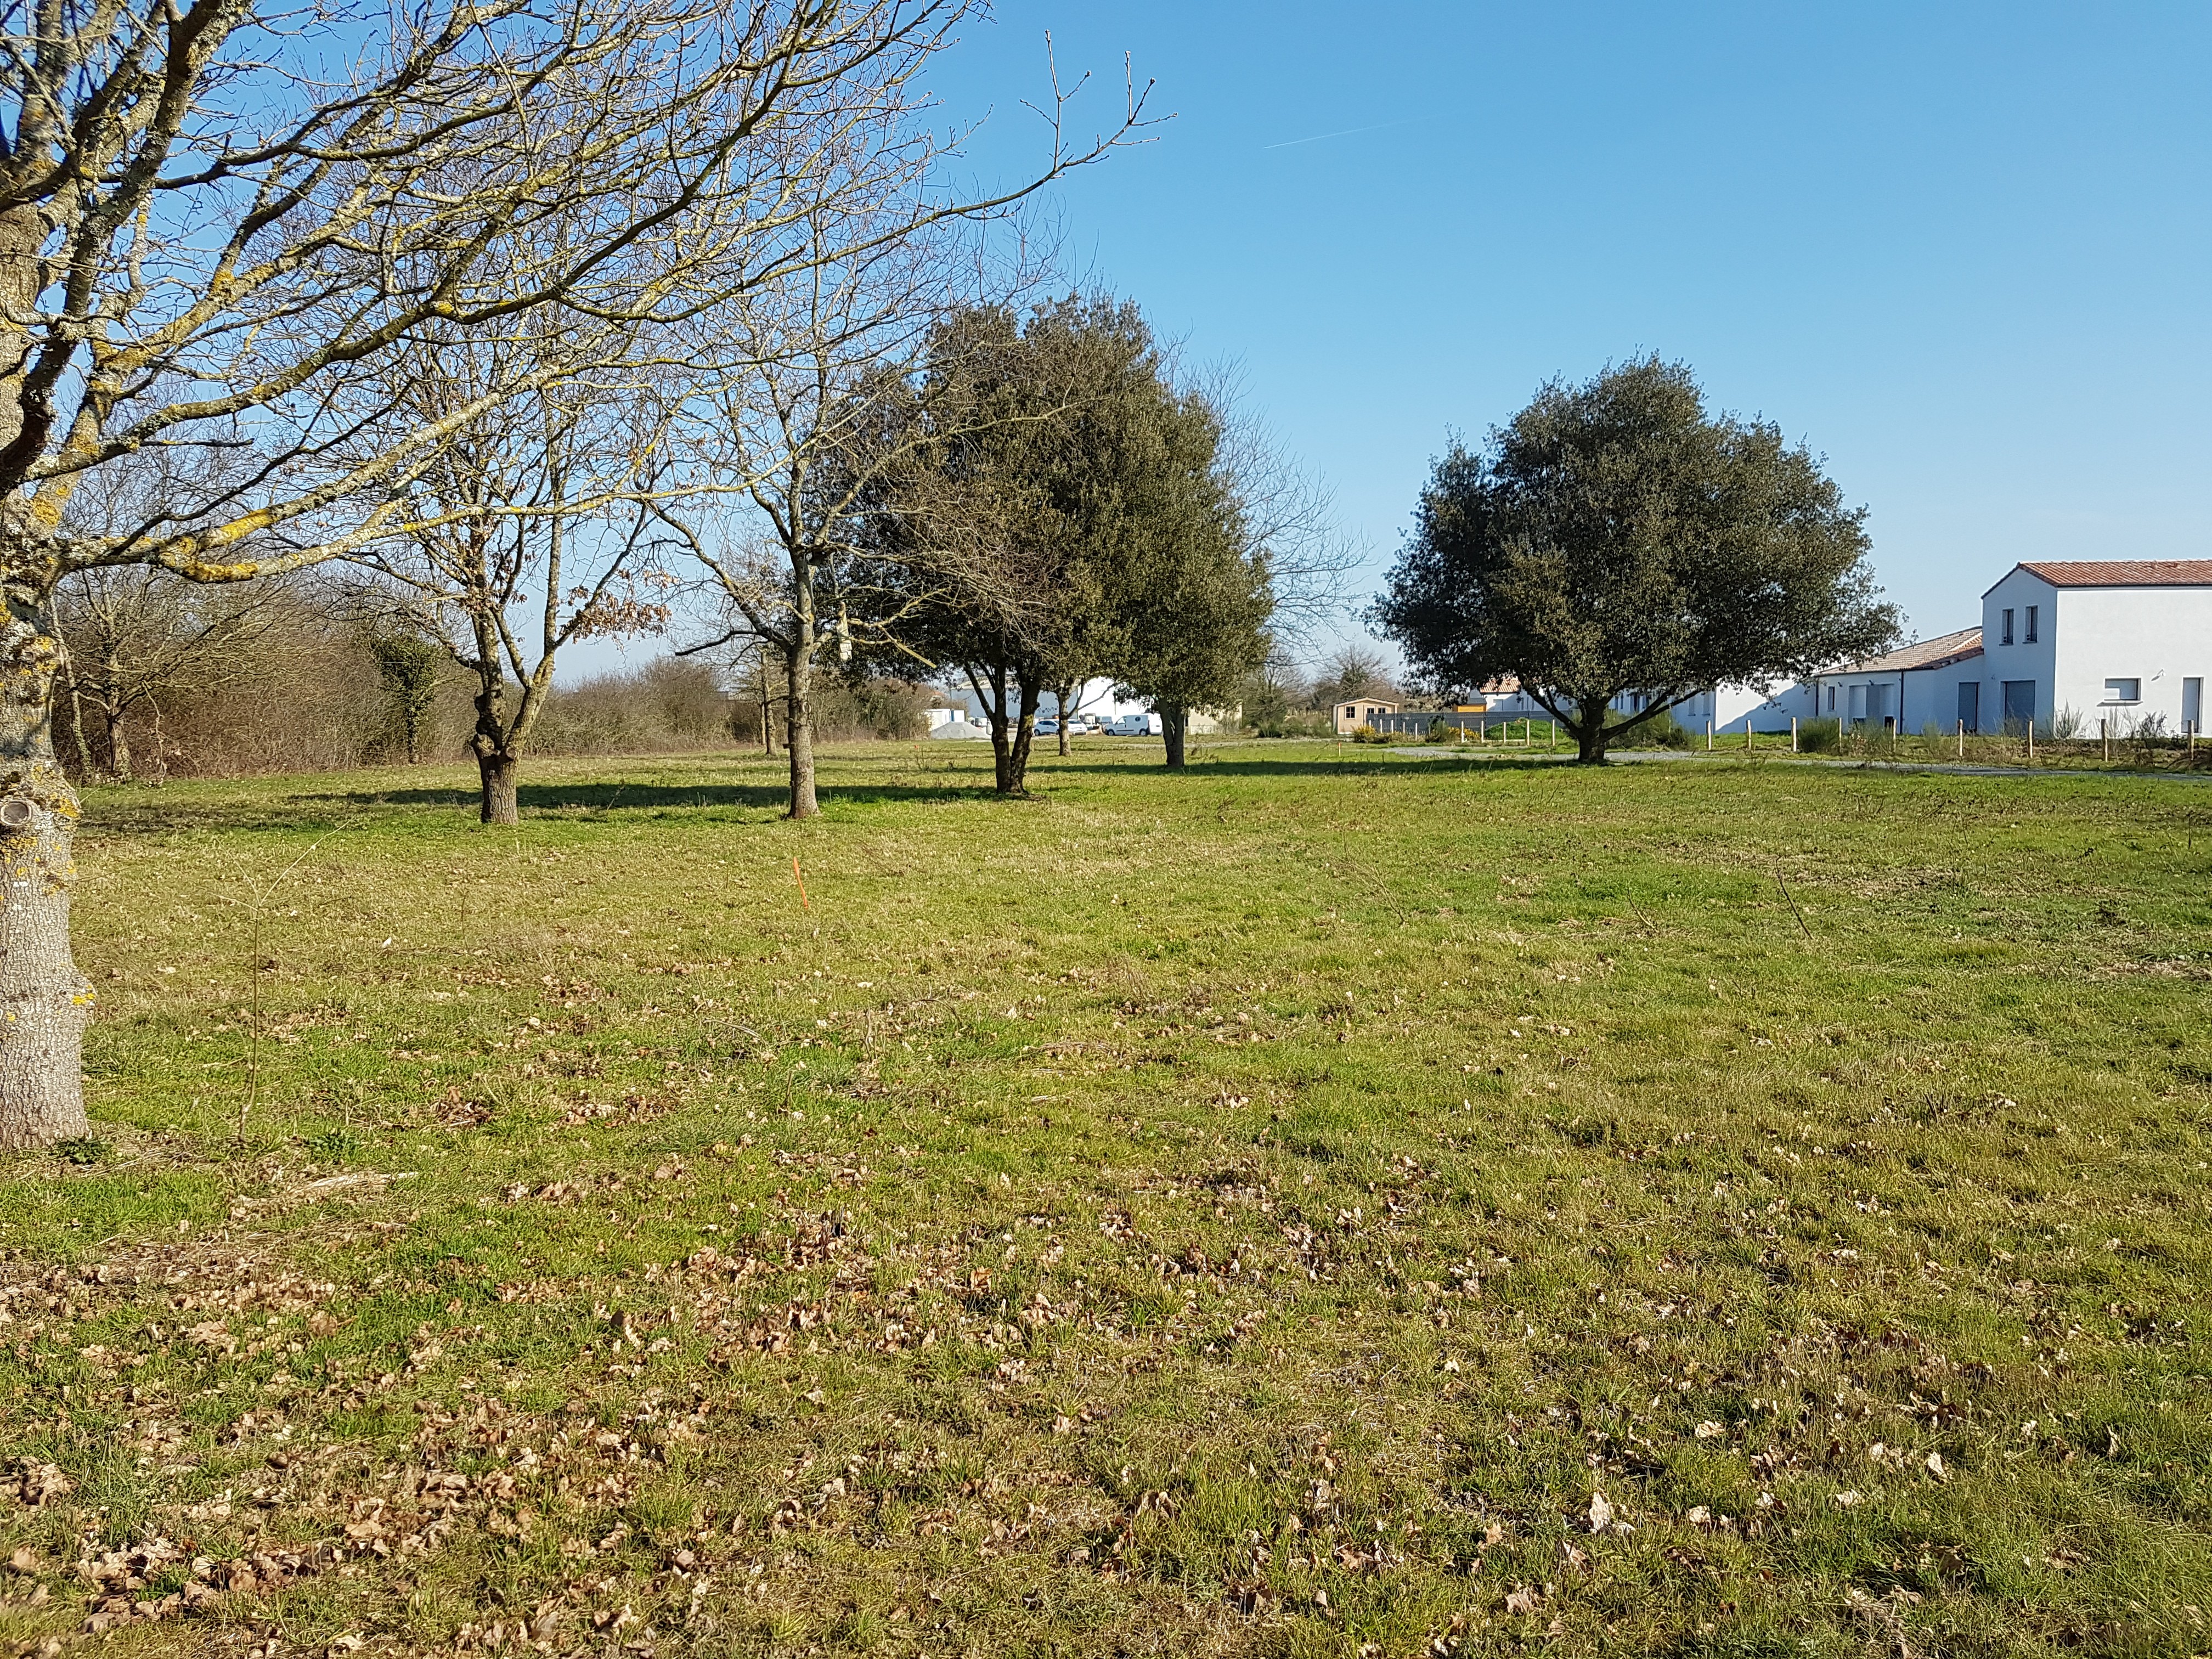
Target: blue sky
x=1962 y=250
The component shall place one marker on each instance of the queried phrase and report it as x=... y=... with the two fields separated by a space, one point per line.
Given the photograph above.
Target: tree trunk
x=492 y=743
x=1174 y=719
x=497 y=774
x=1011 y=707
x=85 y=766
x=1590 y=734
x=118 y=747
x=799 y=717
x=1062 y=697
x=45 y=1002
x=999 y=717
x=1024 y=735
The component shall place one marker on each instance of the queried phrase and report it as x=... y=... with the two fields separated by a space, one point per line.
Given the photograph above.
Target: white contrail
x=1347 y=132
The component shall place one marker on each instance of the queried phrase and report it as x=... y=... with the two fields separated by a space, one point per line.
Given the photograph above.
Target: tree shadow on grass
x=298 y=811
x=617 y=796
x=1321 y=766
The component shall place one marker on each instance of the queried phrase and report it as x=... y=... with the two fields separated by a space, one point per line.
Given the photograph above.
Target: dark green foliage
x=1820 y=737
x=1614 y=537
x=1076 y=519
x=408 y=665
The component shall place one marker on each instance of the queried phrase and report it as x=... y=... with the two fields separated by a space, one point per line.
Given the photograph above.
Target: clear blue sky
x=1962 y=250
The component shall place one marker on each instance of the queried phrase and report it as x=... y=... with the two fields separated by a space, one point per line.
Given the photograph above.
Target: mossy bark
x=46 y=1003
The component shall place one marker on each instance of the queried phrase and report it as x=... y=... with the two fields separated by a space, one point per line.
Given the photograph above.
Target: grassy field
x=1376 y=1207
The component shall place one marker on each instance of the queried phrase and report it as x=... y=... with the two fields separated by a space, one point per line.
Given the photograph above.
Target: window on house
x=2005 y=638
x=2031 y=611
x=2123 y=690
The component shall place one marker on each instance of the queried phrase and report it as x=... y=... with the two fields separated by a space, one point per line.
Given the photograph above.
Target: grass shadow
x=143 y=813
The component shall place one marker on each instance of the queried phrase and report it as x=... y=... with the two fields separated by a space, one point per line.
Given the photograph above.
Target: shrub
x=1661 y=730
x=1823 y=737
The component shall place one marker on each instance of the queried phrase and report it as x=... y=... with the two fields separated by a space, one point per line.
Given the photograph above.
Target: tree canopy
x=1076 y=520
x=1615 y=538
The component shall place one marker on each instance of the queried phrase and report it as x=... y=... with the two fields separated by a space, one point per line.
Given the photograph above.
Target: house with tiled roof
x=2074 y=646
x=2078 y=642
x=1907 y=689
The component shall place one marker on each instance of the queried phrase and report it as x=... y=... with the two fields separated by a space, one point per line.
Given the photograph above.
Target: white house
x=1935 y=682
x=2075 y=642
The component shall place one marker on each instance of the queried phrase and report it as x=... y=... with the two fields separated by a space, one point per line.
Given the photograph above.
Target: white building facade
x=2069 y=644
x=1930 y=685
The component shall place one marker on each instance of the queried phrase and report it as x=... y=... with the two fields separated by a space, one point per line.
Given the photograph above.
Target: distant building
x=2068 y=645
x=1907 y=689
x=1353 y=712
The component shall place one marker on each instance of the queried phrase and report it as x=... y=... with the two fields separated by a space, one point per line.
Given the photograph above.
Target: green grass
x=1253 y=1211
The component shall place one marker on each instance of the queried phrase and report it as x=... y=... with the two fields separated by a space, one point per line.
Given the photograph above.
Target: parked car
x=1047 y=728
x=1130 y=726
x=1083 y=726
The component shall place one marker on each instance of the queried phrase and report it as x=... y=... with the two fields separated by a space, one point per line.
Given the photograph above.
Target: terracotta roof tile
x=1938 y=653
x=2123 y=573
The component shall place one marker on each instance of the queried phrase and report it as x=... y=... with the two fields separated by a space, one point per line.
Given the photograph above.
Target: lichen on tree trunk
x=45 y=1002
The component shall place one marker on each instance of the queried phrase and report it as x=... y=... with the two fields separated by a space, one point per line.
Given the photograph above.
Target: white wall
x=2024 y=659
x=2161 y=636
x=1918 y=698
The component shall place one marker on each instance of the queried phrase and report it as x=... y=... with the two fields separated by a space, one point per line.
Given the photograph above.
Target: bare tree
x=828 y=391
x=208 y=238
x=784 y=444
x=1352 y=671
x=137 y=634
x=530 y=526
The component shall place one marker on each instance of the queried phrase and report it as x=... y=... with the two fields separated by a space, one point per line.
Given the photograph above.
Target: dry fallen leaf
x=1601 y=1512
